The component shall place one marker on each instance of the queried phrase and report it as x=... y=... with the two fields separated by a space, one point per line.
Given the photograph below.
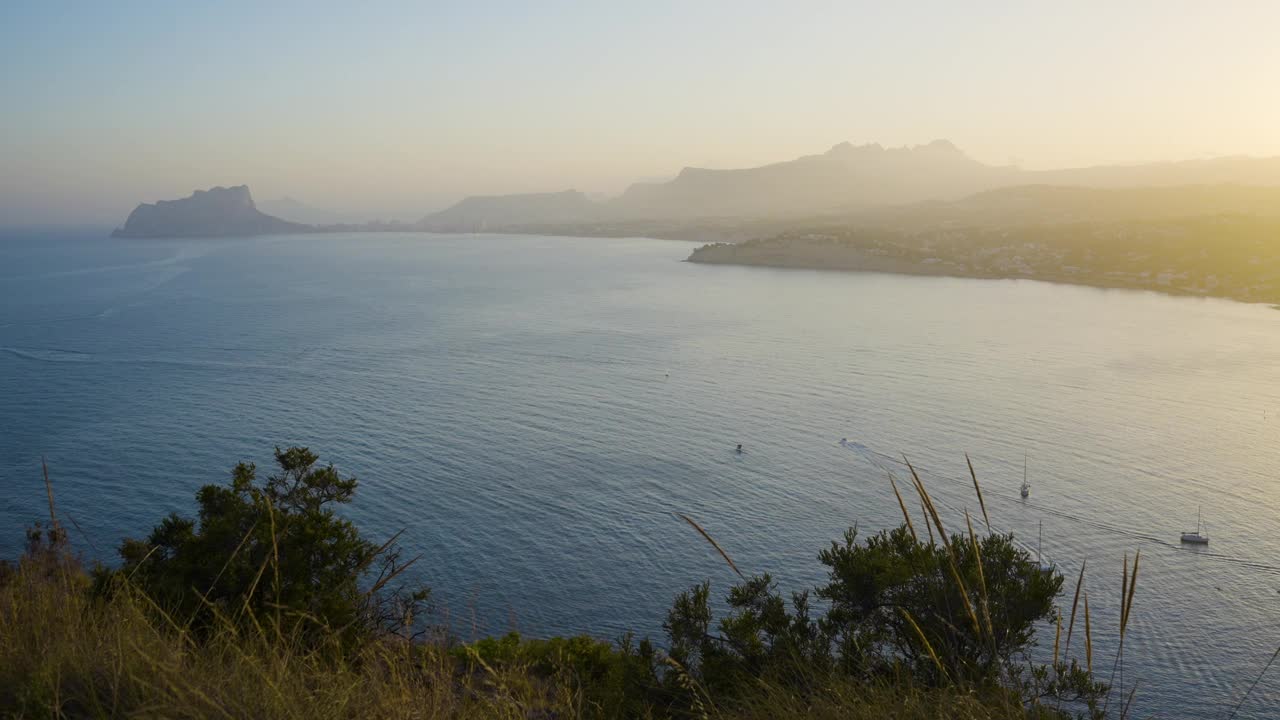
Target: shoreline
x=721 y=252
x=857 y=262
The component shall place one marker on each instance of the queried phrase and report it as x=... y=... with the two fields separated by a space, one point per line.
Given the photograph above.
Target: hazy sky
x=393 y=109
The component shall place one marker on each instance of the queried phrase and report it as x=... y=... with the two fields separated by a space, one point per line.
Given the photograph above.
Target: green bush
x=962 y=611
x=898 y=610
x=274 y=551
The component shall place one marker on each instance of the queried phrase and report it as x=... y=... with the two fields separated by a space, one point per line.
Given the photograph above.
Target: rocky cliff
x=218 y=212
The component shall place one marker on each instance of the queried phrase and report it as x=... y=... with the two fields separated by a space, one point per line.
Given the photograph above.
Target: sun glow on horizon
x=400 y=109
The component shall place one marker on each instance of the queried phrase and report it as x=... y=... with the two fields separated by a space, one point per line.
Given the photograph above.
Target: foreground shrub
x=959 y=615
x=271 y=605
x=272 y=551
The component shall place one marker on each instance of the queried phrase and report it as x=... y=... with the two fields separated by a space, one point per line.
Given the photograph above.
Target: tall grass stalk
x=946 y=544
x=978 y=489
x=1075 y=600
x=1254 y=684
x=1128 y=584
x=906 y=516
x=707 y=536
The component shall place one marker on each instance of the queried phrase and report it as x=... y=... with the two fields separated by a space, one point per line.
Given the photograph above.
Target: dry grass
x=707 y=536
x=850 y=701
x=64 y=654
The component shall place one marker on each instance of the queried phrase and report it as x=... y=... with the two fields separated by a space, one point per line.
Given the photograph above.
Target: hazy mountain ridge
x=1237 y=170
x=846 y=178
x=217 y=212
x=1053 y=204
x=489 y=212
x=855 y=184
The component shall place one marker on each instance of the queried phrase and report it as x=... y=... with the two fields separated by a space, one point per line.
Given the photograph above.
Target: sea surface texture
x=531 y=411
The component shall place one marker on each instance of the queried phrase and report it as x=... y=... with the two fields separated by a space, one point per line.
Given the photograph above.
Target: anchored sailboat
x=1026 y=486
x=1200 y=536
x=1044 y=565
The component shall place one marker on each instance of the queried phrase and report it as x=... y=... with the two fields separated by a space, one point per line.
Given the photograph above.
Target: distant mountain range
x=846 y=178
x=499 y=211
x=844 y=182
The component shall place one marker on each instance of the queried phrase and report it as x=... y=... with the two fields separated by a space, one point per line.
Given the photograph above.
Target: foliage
x=272 y=550
x=957 y=615
x=612 y=680
x=269 y=604
x=47 y=554
x=761 y=638
x=82 y=655
x=882 y=590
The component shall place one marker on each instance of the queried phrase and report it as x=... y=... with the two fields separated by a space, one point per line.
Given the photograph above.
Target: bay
x=533 y=410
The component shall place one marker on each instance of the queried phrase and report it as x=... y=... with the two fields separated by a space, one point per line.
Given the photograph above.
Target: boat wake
x=47 y=354
x=180 y=255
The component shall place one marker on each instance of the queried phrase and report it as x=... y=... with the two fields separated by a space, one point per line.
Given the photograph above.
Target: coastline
x=736 y=247
x=855 y=261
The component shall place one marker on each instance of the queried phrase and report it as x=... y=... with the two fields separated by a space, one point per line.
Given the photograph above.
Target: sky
x=391 y=110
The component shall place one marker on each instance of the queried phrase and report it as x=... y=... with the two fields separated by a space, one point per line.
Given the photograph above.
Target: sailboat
x=1040 y=561
x=1026 y=486
x=1199 y=537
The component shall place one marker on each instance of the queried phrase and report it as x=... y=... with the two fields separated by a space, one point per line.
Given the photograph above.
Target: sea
x=534 y=413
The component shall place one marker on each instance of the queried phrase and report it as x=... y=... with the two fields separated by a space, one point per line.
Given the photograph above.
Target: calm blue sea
x=532 y=410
